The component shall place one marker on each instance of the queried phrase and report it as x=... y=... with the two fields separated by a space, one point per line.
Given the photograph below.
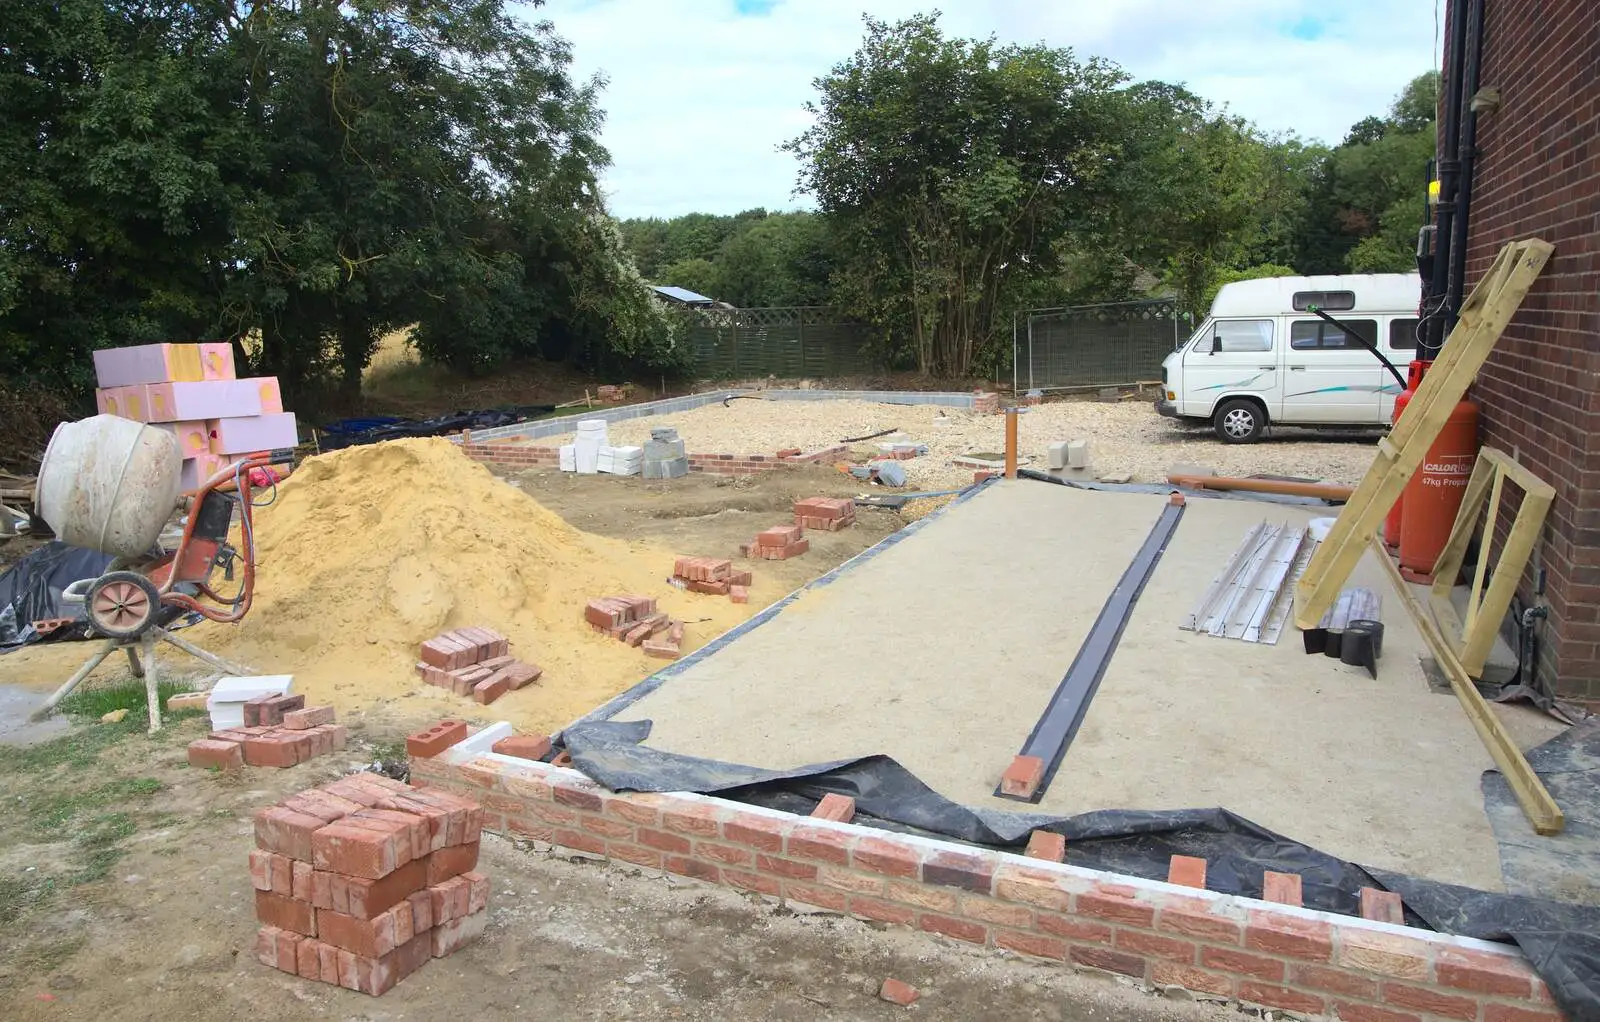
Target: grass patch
x=77 y=749
x=127 y=695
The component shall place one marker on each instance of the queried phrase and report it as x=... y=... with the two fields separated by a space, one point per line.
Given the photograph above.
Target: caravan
x=1263 y=356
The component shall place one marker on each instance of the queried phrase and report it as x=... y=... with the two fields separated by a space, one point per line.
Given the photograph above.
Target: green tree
x=948 y=168
x=697 y=274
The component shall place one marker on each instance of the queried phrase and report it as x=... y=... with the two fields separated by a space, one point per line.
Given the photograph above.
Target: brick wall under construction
x=1538 y=175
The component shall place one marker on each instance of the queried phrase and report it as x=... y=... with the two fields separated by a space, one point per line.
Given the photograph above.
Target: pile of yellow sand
x=371 y=550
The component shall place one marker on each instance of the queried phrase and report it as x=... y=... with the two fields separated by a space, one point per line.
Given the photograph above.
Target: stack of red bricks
x=278 y=731
x=635 y=620
x=611 y=394
x=359 y=882
x=985 y=402
x=778 y=543
x=825 y=514
x=474 y=662
x=713 y=576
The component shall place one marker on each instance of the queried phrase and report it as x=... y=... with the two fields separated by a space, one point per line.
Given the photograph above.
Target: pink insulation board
x=252 y=433
x=216 y=361
x=193 y=437
x=198 y=469
x=209 y=399
x=147 y=363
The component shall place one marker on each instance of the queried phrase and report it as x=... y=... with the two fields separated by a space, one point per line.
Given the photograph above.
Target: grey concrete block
x=1058 y=455
x=1078 y=454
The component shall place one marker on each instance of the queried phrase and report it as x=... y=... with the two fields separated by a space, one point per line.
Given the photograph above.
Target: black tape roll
x=1376 y=627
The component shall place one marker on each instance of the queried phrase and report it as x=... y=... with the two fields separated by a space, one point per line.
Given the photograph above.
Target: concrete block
x=1078 y=454
x=1058 y=455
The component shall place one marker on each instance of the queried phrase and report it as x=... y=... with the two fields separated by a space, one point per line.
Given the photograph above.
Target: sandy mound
x=370 y=550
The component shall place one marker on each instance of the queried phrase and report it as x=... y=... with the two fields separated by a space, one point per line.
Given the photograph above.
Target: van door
x=1233 y=356
x=1330 y=376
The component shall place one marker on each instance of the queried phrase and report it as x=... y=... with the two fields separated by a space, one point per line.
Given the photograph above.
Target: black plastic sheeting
x=1561 y=940
x=353 y=432
x=31 y=589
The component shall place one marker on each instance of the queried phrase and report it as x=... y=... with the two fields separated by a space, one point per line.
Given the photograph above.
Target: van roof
x=1274 y=296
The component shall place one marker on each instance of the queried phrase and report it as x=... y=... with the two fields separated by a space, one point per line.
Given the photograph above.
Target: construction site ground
x=124 y=894
x=971 y=623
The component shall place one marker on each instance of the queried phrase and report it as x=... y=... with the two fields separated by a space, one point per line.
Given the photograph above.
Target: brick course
x=1215 y=945
x=1538 y=175
x=523 y=456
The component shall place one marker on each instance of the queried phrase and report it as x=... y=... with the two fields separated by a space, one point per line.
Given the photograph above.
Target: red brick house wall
x=1538 y=175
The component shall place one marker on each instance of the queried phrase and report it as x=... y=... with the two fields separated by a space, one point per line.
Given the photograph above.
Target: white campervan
x=1262 y=356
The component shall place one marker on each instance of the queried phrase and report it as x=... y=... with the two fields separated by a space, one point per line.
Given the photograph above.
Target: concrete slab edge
x=1217 y=946
x=666 y=406
x=627 y=698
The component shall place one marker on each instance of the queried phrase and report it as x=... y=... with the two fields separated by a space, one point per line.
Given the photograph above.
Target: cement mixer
x=111 y=484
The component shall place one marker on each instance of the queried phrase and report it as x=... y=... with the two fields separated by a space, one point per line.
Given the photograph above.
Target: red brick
x=674 y=843
x=1430 y=1002
x=998 y=913
x=1032 y=889
x=584 y=795
x=1119 y=910
x=364 y=898
x=300 y=883
x=636 y=854
x=286 y=913
x=359 y=851
x=1283 y=888
x=1290 y=936
x=1197 y=980
x=760 y=832
x=959 y=869
x=456 y=934
x=1149 y=944
x=436 y=739
x=883 y=911
x=310 y=716
x=821 y=844
x=778 y=536
x=1483 y=973
x=818 y=897
x=1073 y=928
x=1023 y=777
x=271 y=750
x=520 y=674
x=491 y=688
x=1187 y=871
x=770 y=886
x=950 y=926
x=641 y=809
x=727 y=855
x=309 y=961
x=261 y=868
x=1386 y=954
x=440 y=652
x=661 y=650
x=288 y=951
x=534 y=747
x=579 y=841
x=214 y=755
x=328 y=963
x=887 y=856
x=1382 y=906
x=286 y=832
x=478 y=892
x=1334 y=981
x=1198 y=922
x=1044 y=844
x=1031 y=944
x=1280 y=997
x=896 y=992
x=282 y=874
x=1242 y=964
x=616 y=830
x=1349 y=1012
x=268 y=711
x=1509 y=1013
x=786 y=867
x=1110 y=961
x=691 y=868
x=451 y=861
x=739 y=594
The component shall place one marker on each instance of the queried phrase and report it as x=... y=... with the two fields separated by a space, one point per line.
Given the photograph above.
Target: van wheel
x=1239 y=421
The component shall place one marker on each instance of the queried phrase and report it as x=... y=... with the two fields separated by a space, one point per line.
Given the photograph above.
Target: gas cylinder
x=1391 y=524
x=1433 y=496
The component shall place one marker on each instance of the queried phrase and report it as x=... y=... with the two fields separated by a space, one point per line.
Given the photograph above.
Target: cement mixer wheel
x=122 y=604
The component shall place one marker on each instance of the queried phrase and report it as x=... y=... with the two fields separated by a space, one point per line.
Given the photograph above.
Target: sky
x=700 y=93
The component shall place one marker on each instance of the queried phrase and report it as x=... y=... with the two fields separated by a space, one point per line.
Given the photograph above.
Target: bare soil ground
x=125 y=894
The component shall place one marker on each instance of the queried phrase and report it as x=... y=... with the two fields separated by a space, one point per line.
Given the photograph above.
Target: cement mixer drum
x=109 y=484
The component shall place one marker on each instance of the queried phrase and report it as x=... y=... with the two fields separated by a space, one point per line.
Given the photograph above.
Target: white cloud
x=700 y=96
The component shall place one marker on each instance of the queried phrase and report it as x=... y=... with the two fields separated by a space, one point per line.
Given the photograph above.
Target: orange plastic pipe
x=1326 y=491
x=1011 y=443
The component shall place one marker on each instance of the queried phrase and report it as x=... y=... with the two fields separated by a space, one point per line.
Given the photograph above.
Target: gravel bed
x=1124 y=438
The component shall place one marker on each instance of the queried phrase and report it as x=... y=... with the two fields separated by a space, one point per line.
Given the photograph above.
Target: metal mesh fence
x=790 y=343
x=1095 y=345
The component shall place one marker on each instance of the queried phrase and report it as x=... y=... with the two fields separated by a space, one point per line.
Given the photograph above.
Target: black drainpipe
x=1467 y=154
x=1449 y=176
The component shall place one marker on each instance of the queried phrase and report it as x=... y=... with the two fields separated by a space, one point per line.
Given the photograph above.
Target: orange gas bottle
x=1391 y=524
x=1433 y=496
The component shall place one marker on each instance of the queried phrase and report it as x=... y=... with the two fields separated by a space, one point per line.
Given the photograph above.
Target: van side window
x=1403 y=334
x=1240 y=335
x=1327 y=301
x=1320 y=335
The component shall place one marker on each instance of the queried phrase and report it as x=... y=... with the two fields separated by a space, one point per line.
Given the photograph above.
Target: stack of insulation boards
x=191 y=391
